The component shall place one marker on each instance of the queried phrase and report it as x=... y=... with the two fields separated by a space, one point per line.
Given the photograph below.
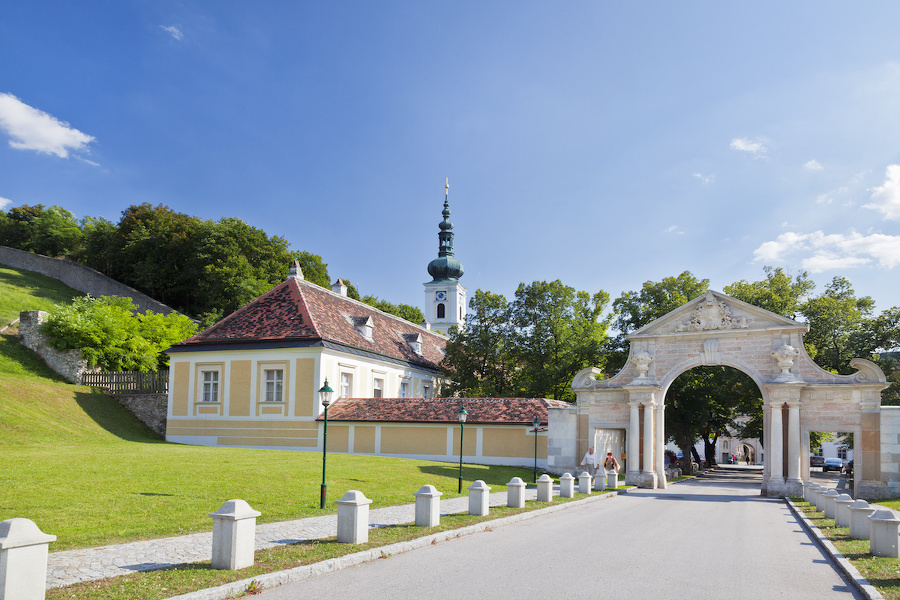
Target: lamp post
x=325 y=398
x=537 y=427
x=462 y=420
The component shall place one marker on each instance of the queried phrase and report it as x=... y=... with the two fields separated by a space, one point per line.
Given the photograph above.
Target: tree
x=778 y=292
x=55 y=232
x=404 y=311
x=314 y=269
x=479 y=356
x=111 y=334
x=838 y=324
x=17 y=229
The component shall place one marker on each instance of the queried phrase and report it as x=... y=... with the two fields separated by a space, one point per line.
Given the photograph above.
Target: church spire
x=445 y=267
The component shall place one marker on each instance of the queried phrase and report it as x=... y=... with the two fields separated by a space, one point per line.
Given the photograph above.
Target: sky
x=604 y=144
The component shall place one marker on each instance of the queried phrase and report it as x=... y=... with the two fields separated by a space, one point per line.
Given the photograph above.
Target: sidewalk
x=87 y=564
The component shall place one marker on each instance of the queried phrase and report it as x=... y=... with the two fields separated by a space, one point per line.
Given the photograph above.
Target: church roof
x=300 y=313
x=513 y=411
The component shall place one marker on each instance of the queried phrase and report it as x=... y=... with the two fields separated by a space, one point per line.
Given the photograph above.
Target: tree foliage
x=532 y=346
x=778 y=292
x=111 y=333
x=404 y=311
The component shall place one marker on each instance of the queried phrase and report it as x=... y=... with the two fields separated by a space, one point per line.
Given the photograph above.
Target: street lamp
x=325 y=398
x=462 y=419
x=537 y=427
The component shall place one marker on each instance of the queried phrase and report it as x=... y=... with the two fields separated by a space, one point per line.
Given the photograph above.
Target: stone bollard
x=842 y=510
x=428 y=506
x=567 y=486
x=883 y=533
x=23 y=560
x=234 y=535
x=600 y=482
x=807 y=486
x=515 y=493
x=830 y=496
x=479 y=495
x=612 y=479
x=820 y=498
x=353 y=518
x=584 y=483
x=545 y=488
x=859 y=520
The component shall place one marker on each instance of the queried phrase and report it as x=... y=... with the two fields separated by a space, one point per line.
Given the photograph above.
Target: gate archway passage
x=715 y=329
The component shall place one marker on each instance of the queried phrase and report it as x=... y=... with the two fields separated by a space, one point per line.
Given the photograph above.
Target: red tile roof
x=300 y=311
x=518 y=411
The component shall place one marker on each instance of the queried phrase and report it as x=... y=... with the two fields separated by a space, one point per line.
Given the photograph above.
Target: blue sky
x=604 y=144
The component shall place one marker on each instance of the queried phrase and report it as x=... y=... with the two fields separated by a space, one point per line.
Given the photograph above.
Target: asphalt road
x=710 y=538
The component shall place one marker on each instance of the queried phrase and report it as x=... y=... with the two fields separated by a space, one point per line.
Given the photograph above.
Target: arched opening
x=441 y=311
x=713 y=416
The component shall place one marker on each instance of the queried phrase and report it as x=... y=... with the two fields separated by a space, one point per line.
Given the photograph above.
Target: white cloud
x=173 y=31
x=754 y=147
x=835 y=251
x=886 y=198
x=813 y=165
x=4 y=202
x=33 y=129
x=705 y=179
x=674 y=229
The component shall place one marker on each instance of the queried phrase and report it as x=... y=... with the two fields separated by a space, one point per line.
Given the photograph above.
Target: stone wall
x=70 y=364
x=150 y=409
x=78 y=277
x=890 y=448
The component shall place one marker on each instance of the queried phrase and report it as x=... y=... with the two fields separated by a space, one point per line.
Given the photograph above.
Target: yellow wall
x=339 y=438
x=181 y=389
x=364 y=439
x=512 y=442
x=414 y=440
x=305 y=394
x=469 y=441
x=239 y=389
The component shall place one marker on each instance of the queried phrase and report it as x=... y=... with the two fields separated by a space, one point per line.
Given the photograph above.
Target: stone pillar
x=808 y=487
x=774 y=449
x=479 y=495
x=234 y=535
x=661 y=443
x=353 y=518
x=515 y=493
x=567 y=486
x=600 y=481
x=829 y=498
x=647 y=475
x=612 y=479
x=584 y=483
x=794 y=453
x=632 y=466
x=545 y=488
x=23 y=560
x=428 y=506
x=883 y=534
x=820 y=498
x=859 y=520
x=842 y=510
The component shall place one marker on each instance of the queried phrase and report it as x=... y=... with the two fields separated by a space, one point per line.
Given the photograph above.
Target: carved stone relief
x=712 y=314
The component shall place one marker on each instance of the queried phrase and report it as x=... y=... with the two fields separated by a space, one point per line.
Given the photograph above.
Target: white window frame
x=378 y=387
x=405 y=386
x=348 y=385
x=209 y=386
x=274 y=385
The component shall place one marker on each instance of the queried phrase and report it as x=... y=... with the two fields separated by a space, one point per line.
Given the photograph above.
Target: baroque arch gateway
x=798 y=397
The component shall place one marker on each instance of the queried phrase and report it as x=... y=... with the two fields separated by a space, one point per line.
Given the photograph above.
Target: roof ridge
x=309 y=313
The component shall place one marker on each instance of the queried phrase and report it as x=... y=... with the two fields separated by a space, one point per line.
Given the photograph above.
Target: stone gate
x=798 y=397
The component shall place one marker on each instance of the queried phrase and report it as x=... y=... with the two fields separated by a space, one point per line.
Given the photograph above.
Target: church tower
x=445 y=297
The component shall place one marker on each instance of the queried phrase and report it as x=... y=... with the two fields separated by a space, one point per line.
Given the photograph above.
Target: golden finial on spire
x=447 y=186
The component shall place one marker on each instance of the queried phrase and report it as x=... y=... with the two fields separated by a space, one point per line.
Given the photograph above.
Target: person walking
x=611 y=465
x=590 y=461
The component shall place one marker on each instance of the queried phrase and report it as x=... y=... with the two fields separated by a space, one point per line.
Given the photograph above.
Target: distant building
x=445 y=297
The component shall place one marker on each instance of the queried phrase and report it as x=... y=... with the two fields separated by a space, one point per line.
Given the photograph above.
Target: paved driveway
x=714 y=537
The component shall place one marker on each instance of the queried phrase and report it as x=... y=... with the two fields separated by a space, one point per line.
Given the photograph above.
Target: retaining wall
x=150 y=409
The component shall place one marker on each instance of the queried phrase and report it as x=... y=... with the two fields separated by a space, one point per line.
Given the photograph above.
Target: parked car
x=817 y=461
x=833 y=464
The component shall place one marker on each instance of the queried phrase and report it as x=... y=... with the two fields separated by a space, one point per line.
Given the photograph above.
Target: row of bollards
x=880 y=527
x=24 y=547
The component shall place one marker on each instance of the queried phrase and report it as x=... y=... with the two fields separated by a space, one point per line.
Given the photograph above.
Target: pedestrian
x=611 y=465
x=590 y=462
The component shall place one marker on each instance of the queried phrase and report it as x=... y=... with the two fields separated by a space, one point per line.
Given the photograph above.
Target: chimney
x=338 y=287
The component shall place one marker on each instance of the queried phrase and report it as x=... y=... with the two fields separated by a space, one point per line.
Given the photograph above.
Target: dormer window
x=364 y=326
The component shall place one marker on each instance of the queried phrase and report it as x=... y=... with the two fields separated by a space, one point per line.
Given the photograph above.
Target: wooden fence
x=129 y=382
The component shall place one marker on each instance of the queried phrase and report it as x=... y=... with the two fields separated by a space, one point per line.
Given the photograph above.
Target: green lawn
x=26 y=290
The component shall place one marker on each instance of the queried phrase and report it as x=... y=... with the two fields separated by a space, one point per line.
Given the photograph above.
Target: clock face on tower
x=440 y=296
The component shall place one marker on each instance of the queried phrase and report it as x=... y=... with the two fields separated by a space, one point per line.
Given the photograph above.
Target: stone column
x=633 y=466
x=23 y=560
x=842 y=510
x=793 y=474
x=234 y=535
x=883 y=534
x=830 y=497
x=776 y=443
x=648 y=476
x=545 y=488
x=567 y=486
x=515 y=493
x=859 y=520
x=661 y=443
x=353 y=518
x=584 y=483
x=428 y=506
x=479 y=497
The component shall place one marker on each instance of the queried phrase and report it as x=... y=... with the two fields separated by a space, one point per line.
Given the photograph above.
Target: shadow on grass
x=115 y=418
x=493 y=475
x=13 y=354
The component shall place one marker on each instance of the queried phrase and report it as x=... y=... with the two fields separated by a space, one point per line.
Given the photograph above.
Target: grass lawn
x=26 y=290
x=883 y=573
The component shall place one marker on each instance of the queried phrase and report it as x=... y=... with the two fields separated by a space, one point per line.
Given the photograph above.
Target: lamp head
x=462 y=414
x=325 y=394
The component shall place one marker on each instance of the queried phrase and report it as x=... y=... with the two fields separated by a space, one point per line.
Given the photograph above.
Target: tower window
x=441 y=311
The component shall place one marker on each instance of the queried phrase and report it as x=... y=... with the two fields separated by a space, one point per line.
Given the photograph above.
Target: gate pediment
x=715 y=314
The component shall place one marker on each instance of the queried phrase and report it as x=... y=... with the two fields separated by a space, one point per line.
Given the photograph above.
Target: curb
x=268 y=580
x=849 y=571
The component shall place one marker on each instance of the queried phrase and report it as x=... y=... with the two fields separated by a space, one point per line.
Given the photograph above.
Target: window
x=377 y=388
x=441 y=311
x=842 y=452
x=210 y=386
x=426 y=391
x=346 y=385
x=404 y=389
x=274 y=385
